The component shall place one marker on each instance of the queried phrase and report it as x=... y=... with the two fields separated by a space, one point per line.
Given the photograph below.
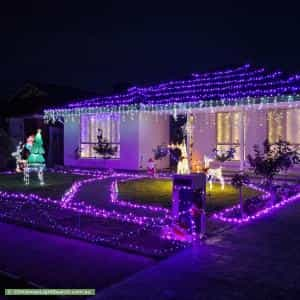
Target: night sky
x=94 y=45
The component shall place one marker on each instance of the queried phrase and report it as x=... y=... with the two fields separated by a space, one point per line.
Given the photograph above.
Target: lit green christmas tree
x=37 y=151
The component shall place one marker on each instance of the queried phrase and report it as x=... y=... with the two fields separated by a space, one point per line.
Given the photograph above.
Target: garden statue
x=178 y=149
x=151 y=167
x=18 y=157
x=30 y=157
x=213 y=172
x=163 y=150
x=183 y=161
x=220 y=156
x=36 y=160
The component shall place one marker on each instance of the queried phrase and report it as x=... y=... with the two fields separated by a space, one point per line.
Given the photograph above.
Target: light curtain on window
x=284 y=124
x=228 y=132
x=90 y=125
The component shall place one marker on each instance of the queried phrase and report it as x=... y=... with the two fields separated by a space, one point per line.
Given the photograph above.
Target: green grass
x=158 y=192
x=55 y=184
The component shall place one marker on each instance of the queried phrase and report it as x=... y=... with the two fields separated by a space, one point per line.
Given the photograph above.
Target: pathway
x=255 y=261
x=58 y=262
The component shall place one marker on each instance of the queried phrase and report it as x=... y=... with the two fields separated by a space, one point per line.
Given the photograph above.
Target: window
x=228 y=132
x=100 y=136
x=284 y=124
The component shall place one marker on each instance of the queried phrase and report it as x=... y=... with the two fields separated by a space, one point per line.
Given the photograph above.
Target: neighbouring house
x=231 y=108
x=24 y=114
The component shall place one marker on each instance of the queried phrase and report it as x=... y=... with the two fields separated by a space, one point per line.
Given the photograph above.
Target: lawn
x=158 y=192
x=55 y=184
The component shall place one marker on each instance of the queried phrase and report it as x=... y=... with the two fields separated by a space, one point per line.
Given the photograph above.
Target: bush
x=274 y=158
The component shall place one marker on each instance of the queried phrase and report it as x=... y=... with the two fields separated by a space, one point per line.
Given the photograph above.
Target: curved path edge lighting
x=223 y=215
x=66 y=203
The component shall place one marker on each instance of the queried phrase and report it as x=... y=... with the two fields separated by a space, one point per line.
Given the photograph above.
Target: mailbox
x=189 y=195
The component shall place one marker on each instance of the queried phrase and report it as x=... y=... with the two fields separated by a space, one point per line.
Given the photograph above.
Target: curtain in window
x=94 y=126
x=228 y=132
x=284 y=124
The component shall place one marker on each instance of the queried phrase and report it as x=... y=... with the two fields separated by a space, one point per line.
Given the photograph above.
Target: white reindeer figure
x=213 y=173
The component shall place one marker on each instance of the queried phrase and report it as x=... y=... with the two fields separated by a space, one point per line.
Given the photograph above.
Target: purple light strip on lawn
x=81 y=207
x=126 y=203
x=24 y=196
x=222 y=215
x=67 y=201
x=146 y=207
x=78 y=233
x=7 y=172
x=81 y=172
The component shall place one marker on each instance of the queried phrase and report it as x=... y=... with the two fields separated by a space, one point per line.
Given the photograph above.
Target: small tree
x=274 y=158
x=238 y=181
x=223 y=156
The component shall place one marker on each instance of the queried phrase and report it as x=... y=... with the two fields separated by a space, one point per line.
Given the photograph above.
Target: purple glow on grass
x=79 y=207
x=75 y=232
x=69 y=202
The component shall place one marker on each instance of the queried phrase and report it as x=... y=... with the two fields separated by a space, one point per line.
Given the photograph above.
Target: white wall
x=154 y=130
x=129 y=148
x=140 y=135
x=204 y=134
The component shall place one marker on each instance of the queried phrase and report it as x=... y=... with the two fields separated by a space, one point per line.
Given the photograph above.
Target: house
x=236 y=108
x=24 y=114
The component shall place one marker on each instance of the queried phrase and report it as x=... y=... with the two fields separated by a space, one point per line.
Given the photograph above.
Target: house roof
x=34 y=97
x=228 y=86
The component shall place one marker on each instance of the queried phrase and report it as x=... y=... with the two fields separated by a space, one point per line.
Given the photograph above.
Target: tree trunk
x=269 y=187
x=241 y=201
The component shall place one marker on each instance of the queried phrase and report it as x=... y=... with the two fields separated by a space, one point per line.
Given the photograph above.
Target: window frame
x=285 y=110
x=95 y=143
x=233 y=145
